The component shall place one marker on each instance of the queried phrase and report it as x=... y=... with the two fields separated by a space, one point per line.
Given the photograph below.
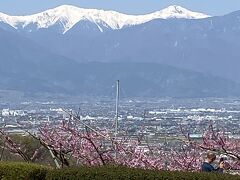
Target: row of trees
x=69 y=144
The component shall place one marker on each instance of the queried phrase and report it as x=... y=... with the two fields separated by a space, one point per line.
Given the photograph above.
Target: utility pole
x=117 y=102
x=116 y=117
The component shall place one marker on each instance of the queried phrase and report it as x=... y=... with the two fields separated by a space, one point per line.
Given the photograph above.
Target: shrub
x=19 y=170
x=121 y=173
x=16 y=170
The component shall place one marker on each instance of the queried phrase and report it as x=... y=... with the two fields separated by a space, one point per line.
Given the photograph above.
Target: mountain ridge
x=69 y=15
x=175 y=57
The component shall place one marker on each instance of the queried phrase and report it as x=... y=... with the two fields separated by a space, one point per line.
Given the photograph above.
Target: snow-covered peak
x=175 y=11
x=68 y=16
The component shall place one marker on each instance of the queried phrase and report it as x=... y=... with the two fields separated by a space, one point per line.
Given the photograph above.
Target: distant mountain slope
x=151 y=80
x=207 y=45
x=29 y=68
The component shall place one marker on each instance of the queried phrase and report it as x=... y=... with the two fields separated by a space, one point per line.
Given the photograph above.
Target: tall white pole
x=117 y=102
x=116 y=118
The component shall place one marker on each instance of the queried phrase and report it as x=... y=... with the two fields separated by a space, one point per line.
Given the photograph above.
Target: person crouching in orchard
x=208 y=167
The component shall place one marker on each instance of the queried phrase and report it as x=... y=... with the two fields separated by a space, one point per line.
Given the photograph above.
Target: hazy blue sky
x=212 y=7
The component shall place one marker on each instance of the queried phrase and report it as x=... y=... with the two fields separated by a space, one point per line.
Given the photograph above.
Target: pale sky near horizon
x=211 y=7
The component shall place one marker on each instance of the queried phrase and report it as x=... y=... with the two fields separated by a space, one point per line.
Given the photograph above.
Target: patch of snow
x=69 y=15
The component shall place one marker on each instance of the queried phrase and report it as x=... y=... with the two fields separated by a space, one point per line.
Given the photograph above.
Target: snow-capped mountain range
x=68 y=16
x=173 y=52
